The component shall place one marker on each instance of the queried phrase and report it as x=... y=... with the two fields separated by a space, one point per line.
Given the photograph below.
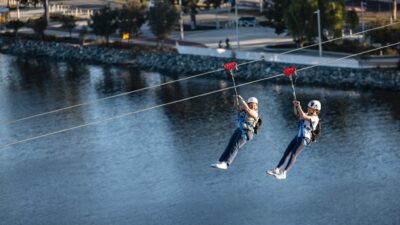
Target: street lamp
x=18 y=14
x=318 y=12
x=181 y=19
x=237 y=23
x=362 y=15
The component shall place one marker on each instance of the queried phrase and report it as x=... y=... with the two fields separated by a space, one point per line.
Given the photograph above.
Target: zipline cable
x=326 y=62
x=177 y=80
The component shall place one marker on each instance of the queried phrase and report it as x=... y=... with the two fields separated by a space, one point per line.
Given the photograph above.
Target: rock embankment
x=189 y=65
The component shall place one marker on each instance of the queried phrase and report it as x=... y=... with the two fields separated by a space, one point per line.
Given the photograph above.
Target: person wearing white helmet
x=248 y=118
x=308 y=122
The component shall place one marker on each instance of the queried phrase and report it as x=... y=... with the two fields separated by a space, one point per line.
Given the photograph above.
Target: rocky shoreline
x=388 y=79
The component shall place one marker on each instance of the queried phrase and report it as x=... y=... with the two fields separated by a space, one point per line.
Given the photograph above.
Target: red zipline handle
x=289 y=71
x=230 y=66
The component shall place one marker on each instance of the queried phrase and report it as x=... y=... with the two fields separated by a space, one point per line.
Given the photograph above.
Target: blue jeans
x=293 y=150
x=239 y=139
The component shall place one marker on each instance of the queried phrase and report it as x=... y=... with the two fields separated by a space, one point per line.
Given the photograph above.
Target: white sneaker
x=272 y=172
x=280 y=176
x=220 y=165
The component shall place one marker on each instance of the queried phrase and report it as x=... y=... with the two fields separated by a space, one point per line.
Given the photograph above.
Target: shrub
x=68 y=23
x=384 y=36
x=38 y=26
x=162 y=19
x=15 y=25
x=104 y=22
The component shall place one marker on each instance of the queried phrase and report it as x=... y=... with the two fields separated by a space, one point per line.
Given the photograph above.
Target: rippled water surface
x=153 y=167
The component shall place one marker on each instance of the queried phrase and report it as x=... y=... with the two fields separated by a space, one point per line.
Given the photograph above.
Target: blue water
x=154 y=167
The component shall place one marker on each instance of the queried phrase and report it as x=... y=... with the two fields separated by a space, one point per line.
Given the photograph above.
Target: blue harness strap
x=240 y=117
x=300 y=125
x=300 y=133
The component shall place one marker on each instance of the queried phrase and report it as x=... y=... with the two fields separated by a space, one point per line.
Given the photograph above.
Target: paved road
x=251 y=38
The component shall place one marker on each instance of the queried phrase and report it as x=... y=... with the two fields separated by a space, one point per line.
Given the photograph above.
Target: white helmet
x=314 y=104
x=252 y=99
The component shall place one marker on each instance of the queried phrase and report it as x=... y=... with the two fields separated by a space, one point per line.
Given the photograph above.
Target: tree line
x=162 y=19
x=298 y=19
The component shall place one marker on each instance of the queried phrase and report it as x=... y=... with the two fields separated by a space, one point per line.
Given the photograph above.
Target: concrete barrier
x=271 y=57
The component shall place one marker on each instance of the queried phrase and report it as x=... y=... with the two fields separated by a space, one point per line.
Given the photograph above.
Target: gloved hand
x=240 y=98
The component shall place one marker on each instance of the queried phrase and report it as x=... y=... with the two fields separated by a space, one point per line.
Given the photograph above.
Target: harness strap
x=241 y=121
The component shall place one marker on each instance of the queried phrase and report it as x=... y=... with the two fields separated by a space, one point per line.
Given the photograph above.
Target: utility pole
x=181 y=19
x=237 y=24
x=46 y=11
x=18 y=14
x=362 y=16
x=318 y=12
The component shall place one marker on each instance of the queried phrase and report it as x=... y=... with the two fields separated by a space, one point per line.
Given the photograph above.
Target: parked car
x=248 y=21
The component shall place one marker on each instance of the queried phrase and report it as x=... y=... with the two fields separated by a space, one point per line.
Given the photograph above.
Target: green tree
x=15 y=25
x=352 y=19
x=68 y=23
x=104 y=22
x=333 y=16
x=162 y=19
x=301 y=20
x=274 y=11
x=190 y=6
x=216 y=4
x=387 y=35
x=38 y=26
x=131 y=17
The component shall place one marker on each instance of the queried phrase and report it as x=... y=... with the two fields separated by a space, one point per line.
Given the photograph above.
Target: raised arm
x=300 y=111
x=246 y=108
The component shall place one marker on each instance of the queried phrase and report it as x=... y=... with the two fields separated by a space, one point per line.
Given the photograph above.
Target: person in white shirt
x=248 y=118
x=307 y=123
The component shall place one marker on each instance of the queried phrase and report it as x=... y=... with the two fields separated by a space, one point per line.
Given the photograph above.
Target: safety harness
x=246 y=122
